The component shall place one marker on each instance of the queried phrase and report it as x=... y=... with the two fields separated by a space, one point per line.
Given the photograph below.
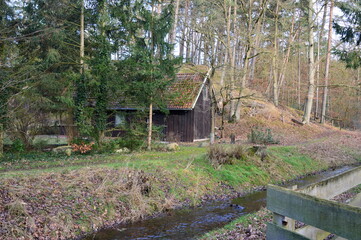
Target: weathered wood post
x=291 y=223
x=283 y=221
x=1 y=140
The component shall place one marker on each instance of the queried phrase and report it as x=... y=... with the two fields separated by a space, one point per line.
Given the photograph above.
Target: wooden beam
x=340 y=219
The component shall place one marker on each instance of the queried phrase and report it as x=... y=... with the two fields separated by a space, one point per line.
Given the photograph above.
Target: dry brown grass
x=219 y=154
x=63 y=205
x=262 y=114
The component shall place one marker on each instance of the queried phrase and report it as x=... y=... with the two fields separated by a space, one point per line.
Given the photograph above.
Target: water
x=193 y=222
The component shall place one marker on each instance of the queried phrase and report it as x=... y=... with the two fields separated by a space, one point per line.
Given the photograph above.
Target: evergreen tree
x=149 y=68
x=7 y=31
x=350 y=33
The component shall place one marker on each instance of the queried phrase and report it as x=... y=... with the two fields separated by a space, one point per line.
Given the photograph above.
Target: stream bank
x=68 y=202
x=190 y=223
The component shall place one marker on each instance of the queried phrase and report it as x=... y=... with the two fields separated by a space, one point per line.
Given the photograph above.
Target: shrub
x=18 y=146
x=261 y=136
x=219 y=155
x=131 y=143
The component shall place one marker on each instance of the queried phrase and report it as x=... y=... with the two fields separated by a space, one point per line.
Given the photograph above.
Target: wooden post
x=233 y=138
x=291 y=223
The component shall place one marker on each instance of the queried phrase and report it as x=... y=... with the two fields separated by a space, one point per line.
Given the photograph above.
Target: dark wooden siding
x=180 y=126
x=202 y=115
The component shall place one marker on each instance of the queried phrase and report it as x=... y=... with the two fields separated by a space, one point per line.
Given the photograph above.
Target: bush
x=132 y=144
x=220 y=155
x=261 y=136
x=17 y=146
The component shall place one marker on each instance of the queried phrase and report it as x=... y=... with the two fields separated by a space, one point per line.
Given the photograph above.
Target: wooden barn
x=189 y=117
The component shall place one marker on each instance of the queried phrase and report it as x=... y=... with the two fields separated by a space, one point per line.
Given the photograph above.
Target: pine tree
x=149 y=69
x=350 y=33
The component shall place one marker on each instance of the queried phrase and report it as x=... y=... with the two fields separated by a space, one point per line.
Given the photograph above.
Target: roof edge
x=200 y=90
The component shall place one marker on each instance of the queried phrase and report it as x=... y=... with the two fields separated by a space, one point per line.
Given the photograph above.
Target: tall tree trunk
x=150 y=126
x=1 y=140
x=82 y=38
x=174 y=29
x=291 y=39
x=185 y=29
x=274 y=59
x=311 y=66
x=213 y=105
x=231 y=56
x=255 y=49
x=189 y=34
x=299 y=75
x=327 y=67
x=320 y=36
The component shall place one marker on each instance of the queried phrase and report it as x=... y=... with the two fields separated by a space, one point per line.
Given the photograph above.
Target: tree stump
x=233 y=138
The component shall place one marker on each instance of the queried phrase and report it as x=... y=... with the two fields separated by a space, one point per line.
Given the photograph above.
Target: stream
x=192 y=222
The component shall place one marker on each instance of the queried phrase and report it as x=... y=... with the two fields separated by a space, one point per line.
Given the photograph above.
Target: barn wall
x=202 y=115
x=180 y=126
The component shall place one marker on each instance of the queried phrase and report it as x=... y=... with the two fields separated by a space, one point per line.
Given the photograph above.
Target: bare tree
x=311 y=66
x=327 y=67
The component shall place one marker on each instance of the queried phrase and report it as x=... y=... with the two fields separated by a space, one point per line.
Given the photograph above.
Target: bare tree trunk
x=232 y=57
x=274 y=60
x=150 y=126
x=174 y=29
x=287 y=57
x=311 y=66
x=320 y=36
x=1 y=140
x=213 y=104
x=256 y=46
x=299 y=76
x=248 y=45
x=185 y=30
x=327 y=67
x=82 y=38
x=189 y=34
x=224 y=69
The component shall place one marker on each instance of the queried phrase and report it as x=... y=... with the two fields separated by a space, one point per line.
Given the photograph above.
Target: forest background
x=71 y=59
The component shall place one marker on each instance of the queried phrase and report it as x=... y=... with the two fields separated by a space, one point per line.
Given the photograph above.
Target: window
x=119 y=119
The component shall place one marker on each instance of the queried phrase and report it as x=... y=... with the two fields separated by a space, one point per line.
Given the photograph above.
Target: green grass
x=184 y=176
x=299 y=162
x=189 y=164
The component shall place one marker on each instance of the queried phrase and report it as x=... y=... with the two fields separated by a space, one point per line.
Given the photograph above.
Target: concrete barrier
x=335 y=185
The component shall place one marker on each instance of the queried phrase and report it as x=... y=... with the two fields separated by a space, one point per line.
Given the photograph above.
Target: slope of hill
x=324 y=142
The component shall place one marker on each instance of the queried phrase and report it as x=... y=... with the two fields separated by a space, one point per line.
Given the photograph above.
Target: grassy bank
x=251 y=226
x=61 y=200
